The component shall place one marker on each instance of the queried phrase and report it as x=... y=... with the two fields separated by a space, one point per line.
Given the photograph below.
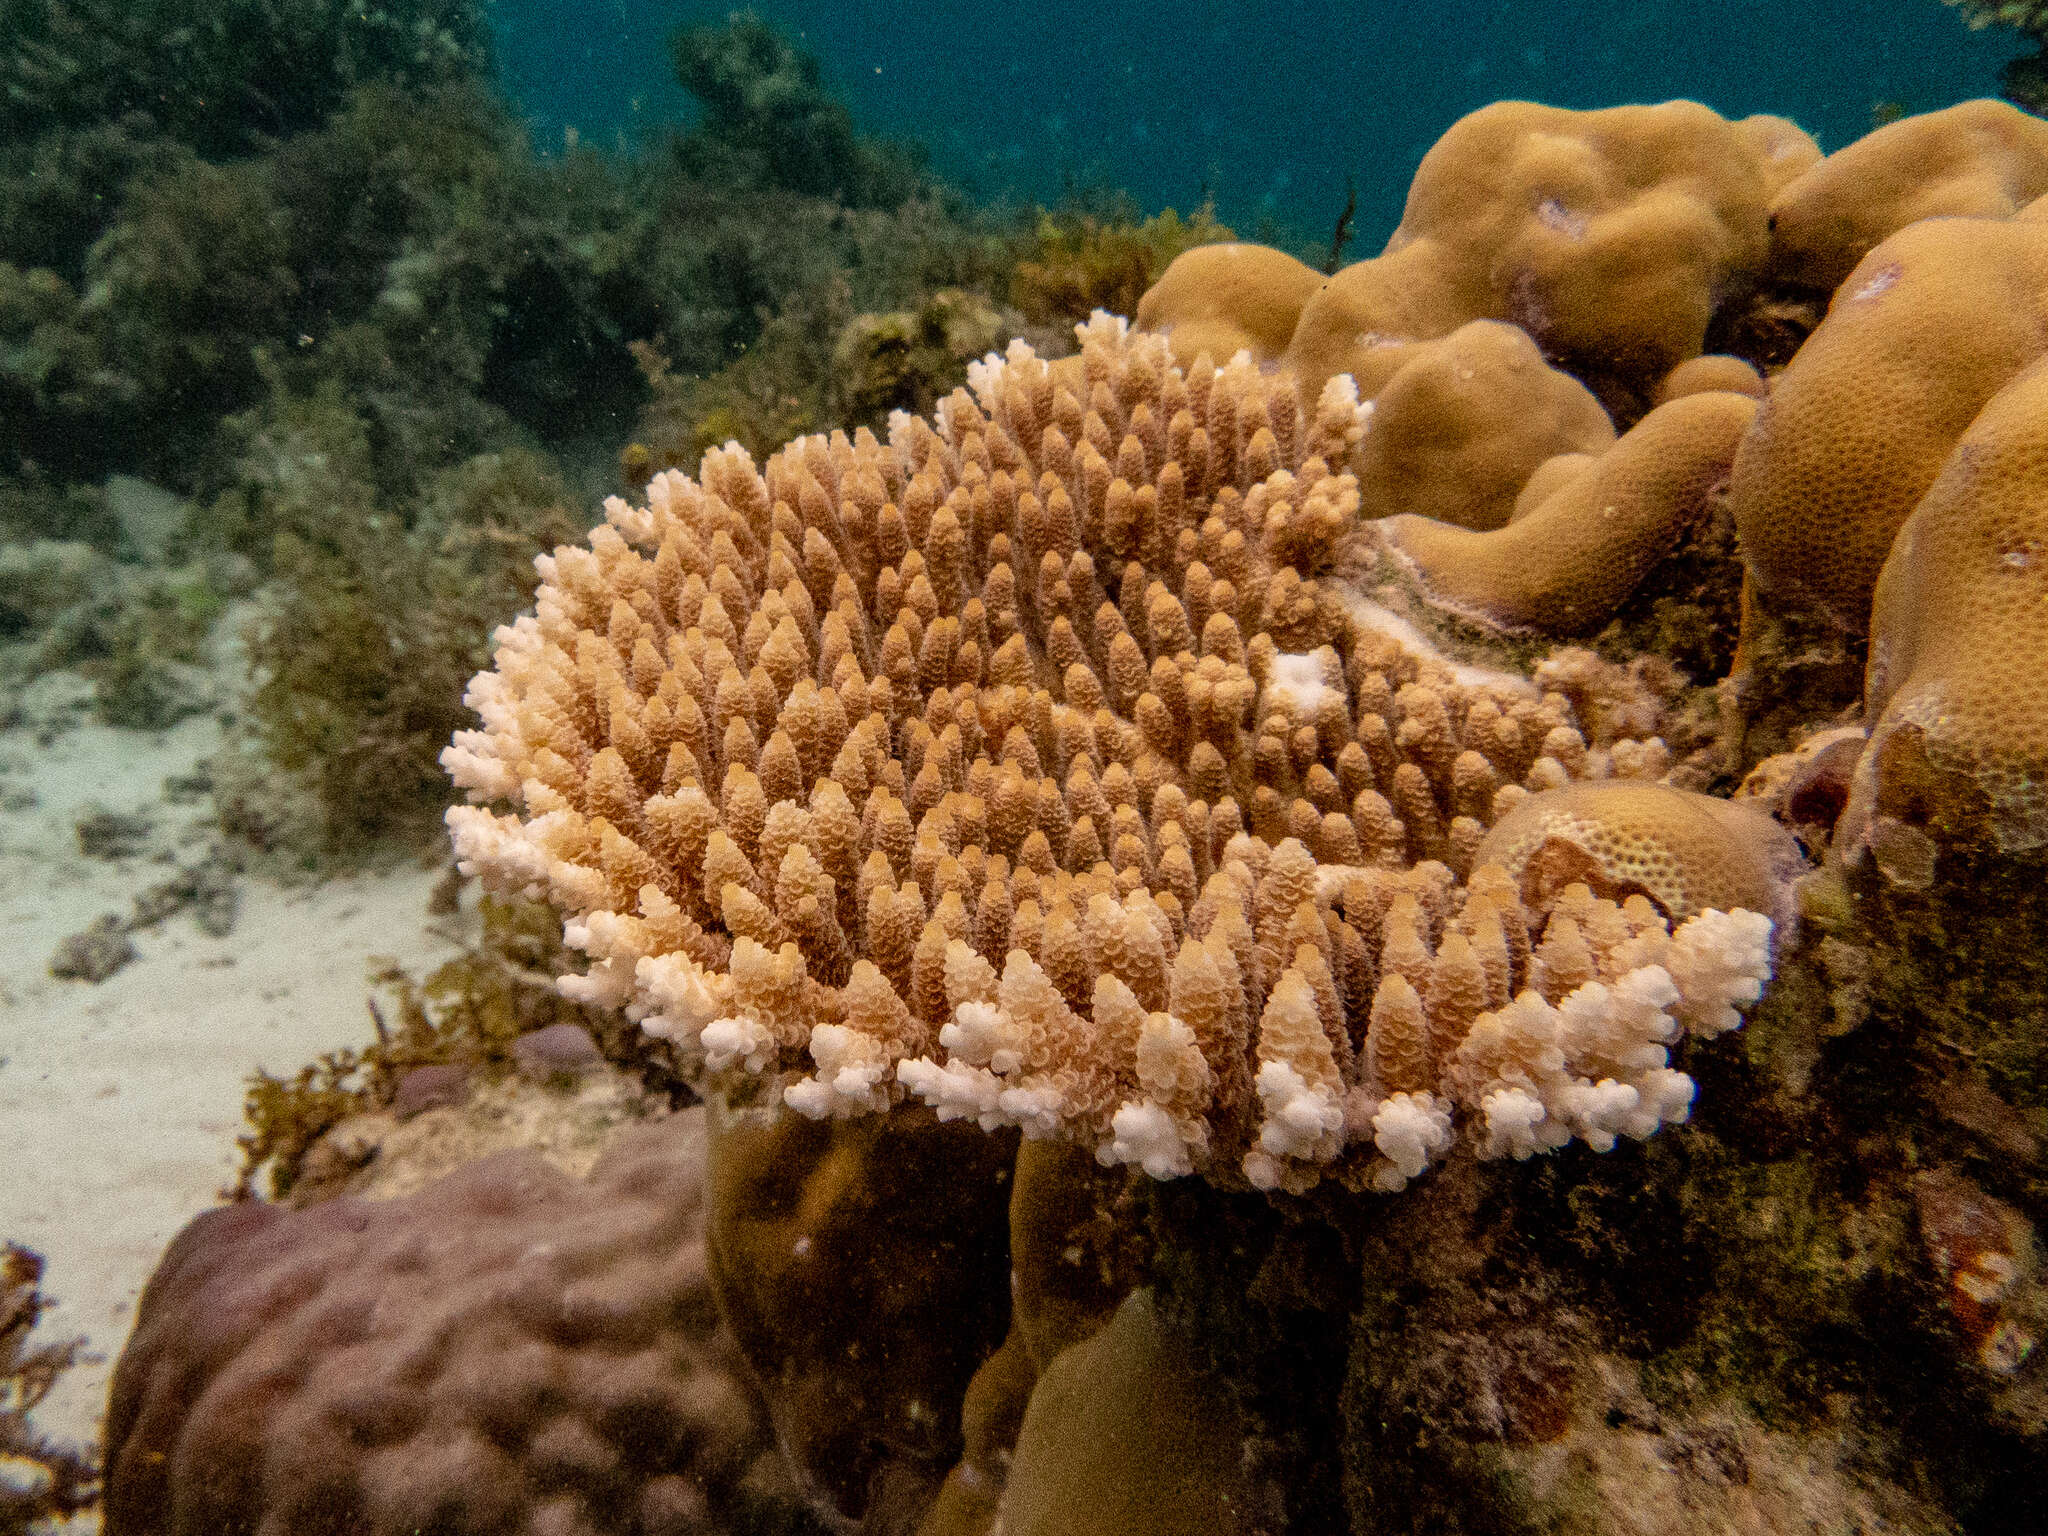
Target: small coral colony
x=1180 y=748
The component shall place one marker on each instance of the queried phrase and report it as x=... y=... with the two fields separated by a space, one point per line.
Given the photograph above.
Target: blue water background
x=1267 y=107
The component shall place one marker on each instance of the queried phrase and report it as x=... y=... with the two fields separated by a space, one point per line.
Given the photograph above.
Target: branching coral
x=1156 y=846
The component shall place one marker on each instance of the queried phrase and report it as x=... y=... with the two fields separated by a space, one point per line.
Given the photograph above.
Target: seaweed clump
x=2024 y=80
x=351 y=306
x=769 y=121
x=40 y=1479
x=244 y=71
x=375 y=616
x=1082 y=259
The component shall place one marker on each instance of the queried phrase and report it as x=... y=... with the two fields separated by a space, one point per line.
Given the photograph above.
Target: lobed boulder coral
x=508 y=1349
x=1585 y=534
x=1552 y=267
x=1222 y=299
x=1611 y=237
x=1125 y=1436
x=1465 y=421
x=1548 y=253
x=1925 y=330
x=1977 y=159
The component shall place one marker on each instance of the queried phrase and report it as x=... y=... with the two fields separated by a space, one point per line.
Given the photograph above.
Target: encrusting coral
x=1685 y=852
x=1040 y=763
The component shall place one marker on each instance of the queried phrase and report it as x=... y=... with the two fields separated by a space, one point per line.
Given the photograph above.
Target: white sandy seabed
x=120 y=1101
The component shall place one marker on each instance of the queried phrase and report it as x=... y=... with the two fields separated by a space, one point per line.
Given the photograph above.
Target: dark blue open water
x=1267 y=106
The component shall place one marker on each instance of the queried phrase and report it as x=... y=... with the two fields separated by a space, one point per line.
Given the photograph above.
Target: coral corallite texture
x=510 y=1349
x=1926 y=329
x=1959 y=734
x=1042 y=764
x=1571 y=556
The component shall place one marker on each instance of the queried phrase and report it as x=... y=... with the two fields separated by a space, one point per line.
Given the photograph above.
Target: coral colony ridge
x=1180 y=893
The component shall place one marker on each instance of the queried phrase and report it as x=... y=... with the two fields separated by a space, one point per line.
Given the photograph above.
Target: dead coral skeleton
x=1037 y=763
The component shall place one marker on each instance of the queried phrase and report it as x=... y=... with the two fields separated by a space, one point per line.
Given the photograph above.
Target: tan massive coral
x=1958 y=646
x=1584 y=536
x=1925 y=330
x=1609 y=236
x=1040 y=764
x=1462 y=424
x=1976 y=159
x=1227 y=298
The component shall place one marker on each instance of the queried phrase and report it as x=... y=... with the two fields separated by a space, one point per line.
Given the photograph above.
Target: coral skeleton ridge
x=1038 y=764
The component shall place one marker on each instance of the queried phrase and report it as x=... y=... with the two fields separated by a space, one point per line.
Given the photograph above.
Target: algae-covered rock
x=907 y=360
